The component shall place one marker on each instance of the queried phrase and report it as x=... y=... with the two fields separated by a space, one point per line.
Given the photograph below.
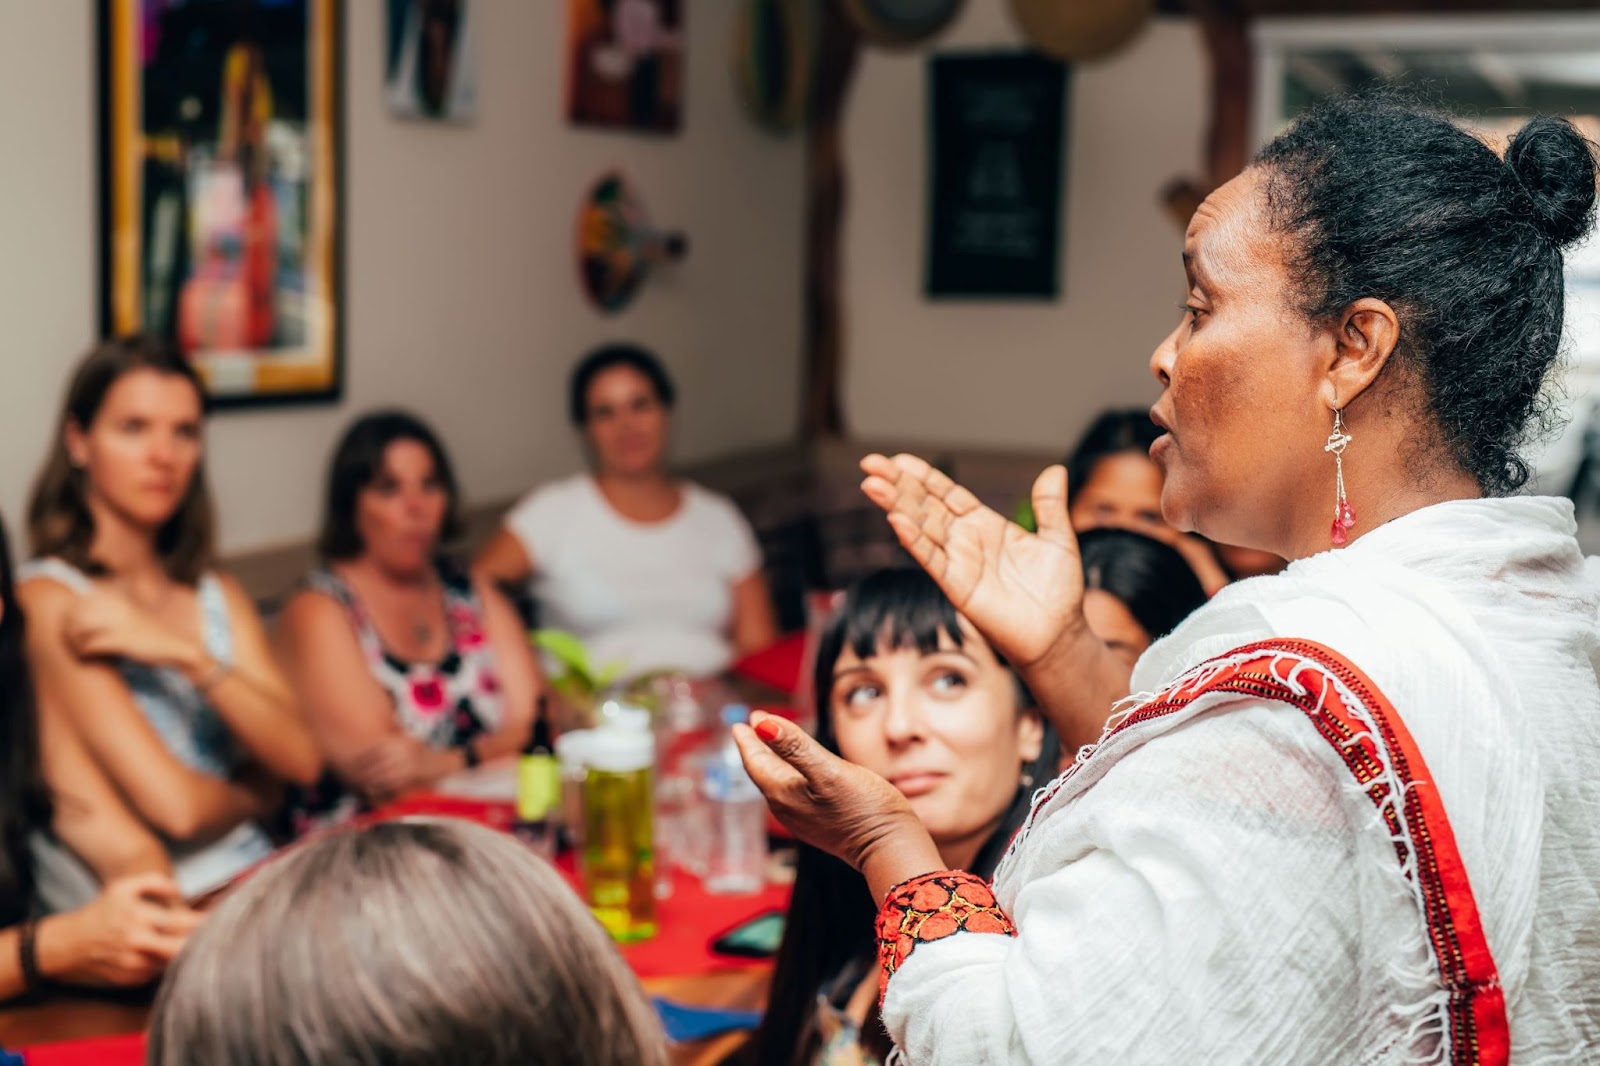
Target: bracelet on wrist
x=28 y=955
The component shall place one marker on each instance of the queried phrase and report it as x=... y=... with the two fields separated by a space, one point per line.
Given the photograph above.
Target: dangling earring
x=1026 y=780
x=1344 y=516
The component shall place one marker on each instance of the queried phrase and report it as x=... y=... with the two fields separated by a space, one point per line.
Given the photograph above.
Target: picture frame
x=996 y=175
x=221 y=190
x=625 y=66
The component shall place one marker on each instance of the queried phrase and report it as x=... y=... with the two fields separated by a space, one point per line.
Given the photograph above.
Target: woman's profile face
x=400 y=515
x=944 y=728
x=625 y=423
x=140 y=452
x=1123 y=491
x=1245 y=400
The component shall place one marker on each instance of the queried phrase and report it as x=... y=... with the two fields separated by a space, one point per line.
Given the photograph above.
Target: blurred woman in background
x=651 y=571
x=408 y=670
x=139 y=647
x=1136 y=589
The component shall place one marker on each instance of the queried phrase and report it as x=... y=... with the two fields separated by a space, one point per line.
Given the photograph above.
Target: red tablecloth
x=687 y=922
x=100 y=1051
x=777 y=666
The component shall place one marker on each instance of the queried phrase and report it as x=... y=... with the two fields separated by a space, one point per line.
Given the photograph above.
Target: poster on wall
x=625 y=64
x=221 y=189
x=432 y=66
x=996 y=131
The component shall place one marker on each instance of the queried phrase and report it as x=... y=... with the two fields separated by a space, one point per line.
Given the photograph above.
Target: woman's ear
x=1030 y=735
x=1368 y=334
x=75 y=441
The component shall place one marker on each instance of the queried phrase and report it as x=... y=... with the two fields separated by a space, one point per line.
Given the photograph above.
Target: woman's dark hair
x=613 y=355
x=1152 y=580
x=358 y=463
x=1111 y=433
x=830 y=922
x=24 y=799
x=59 y=521
x=1385 y=200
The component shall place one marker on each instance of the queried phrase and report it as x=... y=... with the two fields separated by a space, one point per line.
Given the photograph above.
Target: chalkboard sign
x=994 y=205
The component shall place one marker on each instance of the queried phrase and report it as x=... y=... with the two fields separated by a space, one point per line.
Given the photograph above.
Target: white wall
x=462 y=298
x=1014 y=374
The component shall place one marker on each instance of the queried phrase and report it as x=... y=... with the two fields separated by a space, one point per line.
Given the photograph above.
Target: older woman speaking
x=1356 y=818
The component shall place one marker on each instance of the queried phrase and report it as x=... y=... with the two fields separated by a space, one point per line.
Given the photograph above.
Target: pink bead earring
x=1344 y=516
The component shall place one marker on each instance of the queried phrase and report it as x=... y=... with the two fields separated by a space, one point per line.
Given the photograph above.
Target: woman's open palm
x=1023 y=591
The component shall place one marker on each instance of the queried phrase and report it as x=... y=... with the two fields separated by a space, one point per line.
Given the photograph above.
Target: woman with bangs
x=908 y=689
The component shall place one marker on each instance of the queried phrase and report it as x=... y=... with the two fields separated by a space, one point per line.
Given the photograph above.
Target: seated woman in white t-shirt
x=648 y=570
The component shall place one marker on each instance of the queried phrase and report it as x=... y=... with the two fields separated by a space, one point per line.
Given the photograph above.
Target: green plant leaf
x=567 y=649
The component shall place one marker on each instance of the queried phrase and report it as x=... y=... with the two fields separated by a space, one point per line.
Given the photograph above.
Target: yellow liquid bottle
x=619 y=832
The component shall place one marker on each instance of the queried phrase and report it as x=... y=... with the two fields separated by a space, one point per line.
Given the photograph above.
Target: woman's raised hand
x=1023 y=591
x=844 y=809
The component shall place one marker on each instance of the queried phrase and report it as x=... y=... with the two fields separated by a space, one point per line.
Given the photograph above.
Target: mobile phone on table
x=755 y=938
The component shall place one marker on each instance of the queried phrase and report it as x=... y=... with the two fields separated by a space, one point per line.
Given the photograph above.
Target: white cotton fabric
x=1212 y=887
x=646 y=596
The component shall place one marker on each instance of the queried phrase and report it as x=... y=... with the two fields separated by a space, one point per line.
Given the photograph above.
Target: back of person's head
x=357 y=464
x=1113 y=432
x=409 y=943
x=24 y=800
x=1379 y=198
x=1151 y=579
x=59 y=519
x=608 y=357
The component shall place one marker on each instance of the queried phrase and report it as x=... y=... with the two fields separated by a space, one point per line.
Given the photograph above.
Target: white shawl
x=1212 y=886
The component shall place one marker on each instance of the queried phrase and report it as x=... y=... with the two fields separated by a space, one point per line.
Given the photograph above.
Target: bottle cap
x=619 y=751
x=572 y=748
x=614 y=715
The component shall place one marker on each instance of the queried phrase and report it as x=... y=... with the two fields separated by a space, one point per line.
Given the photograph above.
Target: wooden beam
x=822 y=411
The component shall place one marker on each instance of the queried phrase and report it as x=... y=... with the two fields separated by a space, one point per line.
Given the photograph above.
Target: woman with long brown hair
x=154 y=659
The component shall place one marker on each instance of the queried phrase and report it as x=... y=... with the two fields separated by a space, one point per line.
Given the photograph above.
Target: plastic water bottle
x=737 y=864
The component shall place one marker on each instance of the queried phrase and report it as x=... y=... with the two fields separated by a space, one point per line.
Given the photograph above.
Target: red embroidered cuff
x=932 y=907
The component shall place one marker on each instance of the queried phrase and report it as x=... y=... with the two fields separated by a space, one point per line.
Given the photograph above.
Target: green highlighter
x=538 y=787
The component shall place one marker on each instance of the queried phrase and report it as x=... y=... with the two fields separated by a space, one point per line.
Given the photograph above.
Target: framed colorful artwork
x=222 y=188
x=625 y=64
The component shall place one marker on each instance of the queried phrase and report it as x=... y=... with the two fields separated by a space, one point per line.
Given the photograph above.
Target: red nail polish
x=767 y=729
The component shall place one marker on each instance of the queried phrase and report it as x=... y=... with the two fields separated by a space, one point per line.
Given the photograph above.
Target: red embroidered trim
x=932 y=907
x=1479 y=1032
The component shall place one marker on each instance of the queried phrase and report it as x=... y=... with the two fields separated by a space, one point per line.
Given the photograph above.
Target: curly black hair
x=1381 y=198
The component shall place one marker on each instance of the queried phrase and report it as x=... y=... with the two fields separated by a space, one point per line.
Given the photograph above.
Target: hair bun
x=1556 y=165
